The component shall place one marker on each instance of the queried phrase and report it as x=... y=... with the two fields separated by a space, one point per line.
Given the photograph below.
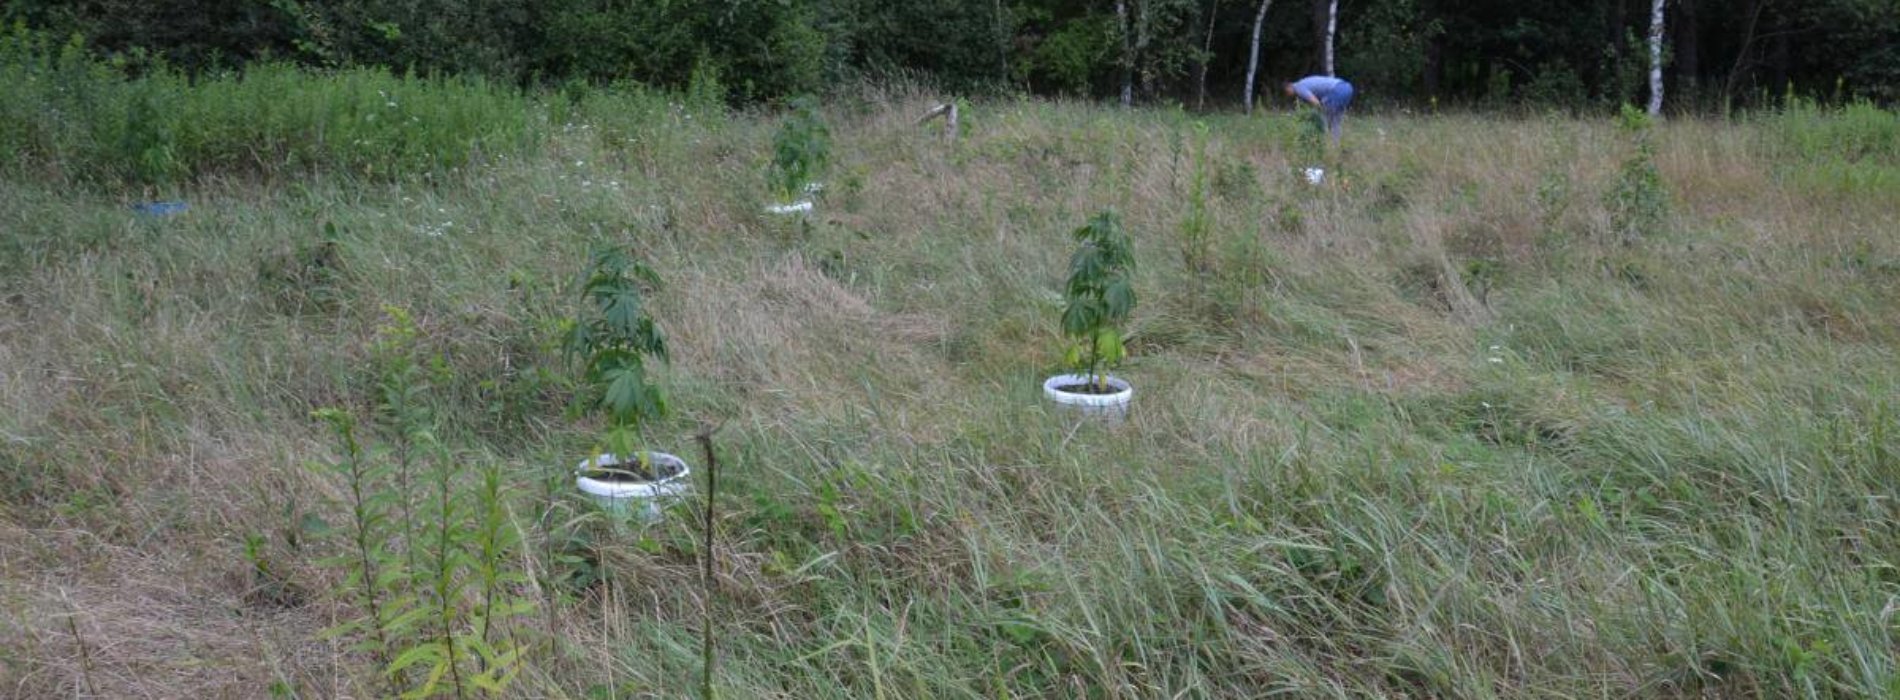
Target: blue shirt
x=1315 y=87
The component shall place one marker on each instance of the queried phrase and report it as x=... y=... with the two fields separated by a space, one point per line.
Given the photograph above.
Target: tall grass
x=1429 y=430
x=65 y=110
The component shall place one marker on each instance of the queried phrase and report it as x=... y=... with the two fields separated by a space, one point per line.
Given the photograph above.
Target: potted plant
x=1100 y=295
x=613 y=339
x=801 y=150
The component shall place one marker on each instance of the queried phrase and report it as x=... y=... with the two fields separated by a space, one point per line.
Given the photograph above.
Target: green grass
x=1442 y=433
x=64 y=112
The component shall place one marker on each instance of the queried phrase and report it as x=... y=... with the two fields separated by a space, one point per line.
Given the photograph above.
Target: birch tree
x=1332 y=24
x=1128 y=53
x=1140 y=61
x=1253 y=55
x=1655 y=57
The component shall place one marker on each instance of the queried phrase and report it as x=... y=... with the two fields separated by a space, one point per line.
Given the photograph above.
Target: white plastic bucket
x=1113 y=405
x=1315 y=175
x=794 y=208
x=803 y=205
x=636 y=498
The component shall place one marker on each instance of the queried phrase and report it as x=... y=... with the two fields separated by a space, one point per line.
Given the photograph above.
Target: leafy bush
x=1070 y=59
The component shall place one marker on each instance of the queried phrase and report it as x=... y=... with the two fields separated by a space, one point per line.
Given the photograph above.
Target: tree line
x=1575 y=54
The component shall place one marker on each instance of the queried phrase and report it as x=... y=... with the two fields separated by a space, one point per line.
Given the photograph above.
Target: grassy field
x=1497 y=411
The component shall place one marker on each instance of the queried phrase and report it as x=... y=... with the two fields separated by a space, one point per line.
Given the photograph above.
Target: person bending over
x=1331 y=95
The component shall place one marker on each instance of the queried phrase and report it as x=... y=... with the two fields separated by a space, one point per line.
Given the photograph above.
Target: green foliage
x=1100 y=295
x=768 y=49
x=1290 y=218
x=1384 y=43
x=1556 y=85
x=1620 y=72
x=614 y=338
x=801 y=150
x=1638 y=200
x=1195 y=224
x=99 y=123
x=1849 y=150
x=705 y=92
x=1857 y=132
x=435 y=577
x=308 y=277
x=1069 y=60
x=1634 y=121
x=1553 y=199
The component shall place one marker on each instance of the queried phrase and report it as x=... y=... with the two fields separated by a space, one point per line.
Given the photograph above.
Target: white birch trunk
x=1655 y=57
x=1128 y=51
x=1253 y=55
x=1142 y=20
x=1332 y=23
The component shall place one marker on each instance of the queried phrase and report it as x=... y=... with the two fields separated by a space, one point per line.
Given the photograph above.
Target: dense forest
x=1560 y=53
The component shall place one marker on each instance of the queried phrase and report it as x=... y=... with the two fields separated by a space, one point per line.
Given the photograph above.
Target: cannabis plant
x=1100 y=296
x=801 y=150
x=613 y=339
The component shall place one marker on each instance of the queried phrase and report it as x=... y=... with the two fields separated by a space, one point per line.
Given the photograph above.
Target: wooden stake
x=706 y=559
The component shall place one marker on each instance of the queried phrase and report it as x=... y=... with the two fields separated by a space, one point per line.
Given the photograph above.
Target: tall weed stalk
x=437 y=581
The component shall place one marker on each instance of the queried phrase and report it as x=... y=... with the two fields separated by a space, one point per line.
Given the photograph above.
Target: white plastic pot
x=794 y=208
x=1315 y=175
x=1114 y=406
x=803 y=205
x=642 y=499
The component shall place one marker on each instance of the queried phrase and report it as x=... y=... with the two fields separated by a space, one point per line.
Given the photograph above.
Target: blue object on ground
x=161 y=208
